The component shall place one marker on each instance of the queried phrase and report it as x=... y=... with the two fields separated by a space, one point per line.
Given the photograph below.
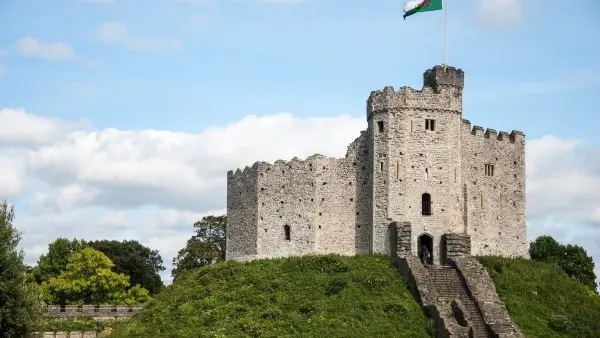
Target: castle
x=419 y=162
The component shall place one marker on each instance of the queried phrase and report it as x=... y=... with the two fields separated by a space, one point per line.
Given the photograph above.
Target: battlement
x=442 y=91
x=489 y=133
x=261 y=167
x=443 y=76
x=74 y=311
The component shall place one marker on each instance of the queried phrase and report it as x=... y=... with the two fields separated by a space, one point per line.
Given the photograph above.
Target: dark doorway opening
x=425 y=248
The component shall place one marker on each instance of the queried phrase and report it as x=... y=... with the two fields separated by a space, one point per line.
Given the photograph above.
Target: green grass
x=542 y=300
x=312 y=296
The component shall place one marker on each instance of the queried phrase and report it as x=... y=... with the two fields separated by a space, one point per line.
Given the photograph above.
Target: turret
x=444 y=76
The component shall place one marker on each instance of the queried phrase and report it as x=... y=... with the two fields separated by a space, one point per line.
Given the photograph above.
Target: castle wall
x=495 y=202
x=287 y=196
x=317 y=198
x=242 y=213
x=346 y=205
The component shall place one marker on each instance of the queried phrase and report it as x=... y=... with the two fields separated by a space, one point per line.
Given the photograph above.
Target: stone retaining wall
x=95 y=311
x=72 y=334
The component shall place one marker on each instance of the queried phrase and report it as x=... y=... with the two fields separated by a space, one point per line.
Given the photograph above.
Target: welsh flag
x=415 y=6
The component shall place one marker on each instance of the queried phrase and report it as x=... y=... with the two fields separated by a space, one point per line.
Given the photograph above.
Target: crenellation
x=477 y=131
x=491 y=133
x=418 y=161
x=503 y=136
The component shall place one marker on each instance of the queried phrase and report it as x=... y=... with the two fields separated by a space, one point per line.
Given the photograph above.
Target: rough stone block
x=88 y=310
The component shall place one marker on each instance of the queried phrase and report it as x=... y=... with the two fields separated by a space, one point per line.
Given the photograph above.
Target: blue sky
x=125 y=77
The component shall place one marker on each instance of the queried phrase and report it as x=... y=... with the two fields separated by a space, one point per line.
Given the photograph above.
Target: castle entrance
x=425 y=248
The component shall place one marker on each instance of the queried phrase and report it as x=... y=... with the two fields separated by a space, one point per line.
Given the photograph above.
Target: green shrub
x=543 y=300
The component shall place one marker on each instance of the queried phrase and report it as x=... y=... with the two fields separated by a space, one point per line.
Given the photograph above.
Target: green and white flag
x=416 y=6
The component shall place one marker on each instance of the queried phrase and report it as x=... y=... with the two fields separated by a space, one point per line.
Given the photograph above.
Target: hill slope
x=542 y=300
x=312 y=296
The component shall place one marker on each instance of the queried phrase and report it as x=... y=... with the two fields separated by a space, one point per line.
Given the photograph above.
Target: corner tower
x=415 y=156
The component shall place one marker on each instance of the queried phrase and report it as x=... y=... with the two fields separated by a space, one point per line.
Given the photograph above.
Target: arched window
x=286 y=229
x=426 y=204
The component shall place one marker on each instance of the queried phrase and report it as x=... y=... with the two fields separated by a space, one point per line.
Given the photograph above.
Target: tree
x=52 y=264
x=88 y=279
x=206 y=246
x=19 y=308
x=573 y=259
x=131 y=258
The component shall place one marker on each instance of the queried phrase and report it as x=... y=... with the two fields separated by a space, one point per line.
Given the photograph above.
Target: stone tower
x=415 y=142
x=419 y=162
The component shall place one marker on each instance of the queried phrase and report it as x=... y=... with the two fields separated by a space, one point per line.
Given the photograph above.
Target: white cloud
x=118 y=34
x=31 y=47
x=500 y=13
x=151 y=185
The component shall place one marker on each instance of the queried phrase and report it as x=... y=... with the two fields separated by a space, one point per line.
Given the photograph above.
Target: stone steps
x=448 y=284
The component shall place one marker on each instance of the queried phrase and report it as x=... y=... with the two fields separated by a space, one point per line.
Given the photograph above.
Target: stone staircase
x=447 y=285
x=459 y=296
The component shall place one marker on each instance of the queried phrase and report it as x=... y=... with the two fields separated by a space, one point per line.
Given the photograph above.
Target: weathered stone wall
x=456 y=245
x=482 y=289
x=494 y=204
x=323 y=201
x=94 y=311
x=242 y=213
x=72 y=334
x=411 y=160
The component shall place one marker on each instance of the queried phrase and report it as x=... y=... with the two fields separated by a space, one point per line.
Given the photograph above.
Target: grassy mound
x=312 y=296
x=542 y=300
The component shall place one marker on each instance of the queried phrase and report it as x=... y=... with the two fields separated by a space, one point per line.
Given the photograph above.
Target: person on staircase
x=426 y=255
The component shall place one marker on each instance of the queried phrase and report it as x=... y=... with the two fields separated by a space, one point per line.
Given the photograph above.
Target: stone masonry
x=418 y=161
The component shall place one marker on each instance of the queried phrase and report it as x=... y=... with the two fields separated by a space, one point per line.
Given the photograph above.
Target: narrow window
x=426 y=204
x=426 y=173
x=489 y=170
x=380 y=126
x=397 y=169
x=286 y=229
x=429 y=124
x=381 y=166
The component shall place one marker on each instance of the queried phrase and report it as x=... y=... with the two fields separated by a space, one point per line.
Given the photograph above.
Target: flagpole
x=445 y=33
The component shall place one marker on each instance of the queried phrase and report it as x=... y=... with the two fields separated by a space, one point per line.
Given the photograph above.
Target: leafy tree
x=52 y=264
x=135 y=260
x=206 y=247
x=19 y=308
x=88 y=279
x=573 y=259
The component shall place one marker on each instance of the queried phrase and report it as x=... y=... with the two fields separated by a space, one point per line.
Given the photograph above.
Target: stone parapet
x=456 y=245
x=401 y=236
x=74 y=311
x=72 y=334
x=481 y=287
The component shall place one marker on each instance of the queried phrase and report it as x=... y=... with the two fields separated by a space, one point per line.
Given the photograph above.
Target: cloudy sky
x=120 y=118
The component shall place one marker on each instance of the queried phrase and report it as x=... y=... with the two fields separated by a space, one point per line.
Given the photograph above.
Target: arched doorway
x=425 y=248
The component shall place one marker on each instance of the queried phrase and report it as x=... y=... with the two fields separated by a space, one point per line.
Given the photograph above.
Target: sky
x=120 y=118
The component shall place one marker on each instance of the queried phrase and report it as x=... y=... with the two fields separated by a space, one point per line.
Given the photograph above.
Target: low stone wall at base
x=72 y=334
x=92 y=311
x=482 y=289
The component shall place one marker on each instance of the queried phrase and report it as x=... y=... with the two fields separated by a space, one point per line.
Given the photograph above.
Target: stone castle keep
x=419 y=164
